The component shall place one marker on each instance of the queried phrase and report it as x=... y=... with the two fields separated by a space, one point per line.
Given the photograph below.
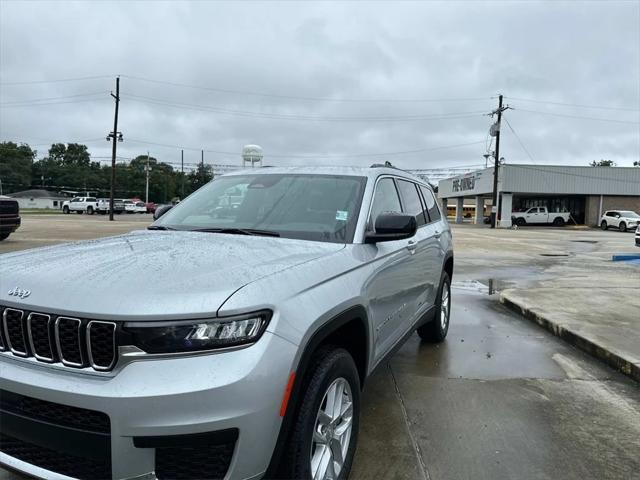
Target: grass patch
x=40 y=211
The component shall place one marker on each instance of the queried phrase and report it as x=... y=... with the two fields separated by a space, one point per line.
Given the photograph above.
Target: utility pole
x=182 y=172
x=116 y=136
x=146 y=196
x=496 y=157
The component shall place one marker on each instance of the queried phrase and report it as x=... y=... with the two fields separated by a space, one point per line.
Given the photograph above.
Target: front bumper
x=9 y=223
x=161 y=398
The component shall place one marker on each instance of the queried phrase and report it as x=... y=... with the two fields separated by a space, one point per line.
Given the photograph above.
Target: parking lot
x=501 y=398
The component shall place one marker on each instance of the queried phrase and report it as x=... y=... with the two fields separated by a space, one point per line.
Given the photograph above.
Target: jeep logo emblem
x=19 y=292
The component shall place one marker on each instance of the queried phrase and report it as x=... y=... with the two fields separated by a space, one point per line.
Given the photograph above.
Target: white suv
x=623 y=220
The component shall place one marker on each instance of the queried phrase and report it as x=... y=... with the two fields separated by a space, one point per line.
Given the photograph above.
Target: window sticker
x=342 y=215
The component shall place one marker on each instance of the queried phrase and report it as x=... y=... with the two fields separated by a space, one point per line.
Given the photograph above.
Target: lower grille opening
x=209 y=462
x=63 y=463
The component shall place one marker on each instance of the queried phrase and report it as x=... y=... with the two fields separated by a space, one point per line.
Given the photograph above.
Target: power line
x=82 y=100
x=283 y=116
x=519 y=141
x=577 y=105
x=293 y=97
x=33 y=100
x=313 y=156
x=577 y=116
x=75 y=79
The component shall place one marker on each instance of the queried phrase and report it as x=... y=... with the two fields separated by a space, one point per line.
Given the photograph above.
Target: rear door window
x=411 y=201
x=431 y=204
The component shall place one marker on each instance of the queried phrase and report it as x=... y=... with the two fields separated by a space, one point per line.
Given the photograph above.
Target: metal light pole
x=117 y=137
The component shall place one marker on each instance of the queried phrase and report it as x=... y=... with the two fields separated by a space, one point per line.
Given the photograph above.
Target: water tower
x=252 y=154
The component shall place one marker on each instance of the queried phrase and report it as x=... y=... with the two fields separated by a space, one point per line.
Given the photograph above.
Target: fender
x=353 y=313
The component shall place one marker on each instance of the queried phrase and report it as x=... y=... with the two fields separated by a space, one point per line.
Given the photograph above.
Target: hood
x=153 y=274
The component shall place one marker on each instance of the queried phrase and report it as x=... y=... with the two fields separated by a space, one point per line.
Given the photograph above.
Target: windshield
x=629 y=214
x=310 y=207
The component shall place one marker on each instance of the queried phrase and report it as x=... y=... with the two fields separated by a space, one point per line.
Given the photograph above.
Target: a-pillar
x=459 y=209
x=479 y=220
x=506 y=207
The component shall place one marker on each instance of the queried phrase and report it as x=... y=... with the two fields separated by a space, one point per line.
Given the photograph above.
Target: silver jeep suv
x=261 y=305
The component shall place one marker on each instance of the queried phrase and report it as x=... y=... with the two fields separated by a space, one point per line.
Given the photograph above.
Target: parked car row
x=91 y=205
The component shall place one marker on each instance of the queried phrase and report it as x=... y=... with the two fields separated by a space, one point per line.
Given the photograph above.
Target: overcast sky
x=326 y=82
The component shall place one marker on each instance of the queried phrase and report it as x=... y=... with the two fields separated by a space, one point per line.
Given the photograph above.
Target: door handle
x=437 y=234
x=411 y=246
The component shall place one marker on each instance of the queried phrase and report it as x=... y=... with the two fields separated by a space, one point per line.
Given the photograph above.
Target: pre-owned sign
x=463 y=184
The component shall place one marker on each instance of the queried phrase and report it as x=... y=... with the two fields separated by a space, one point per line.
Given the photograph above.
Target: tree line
x=69 y=167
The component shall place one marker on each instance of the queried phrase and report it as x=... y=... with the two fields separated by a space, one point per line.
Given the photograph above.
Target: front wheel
x=325 y=430
x=622 y=227
x=521 y=222
x=65 y=209
x=604 y=225
x=436 y=330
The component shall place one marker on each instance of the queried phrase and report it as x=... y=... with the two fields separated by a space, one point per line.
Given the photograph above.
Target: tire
x=331 y=368
x=604 y=225
x=622 y=227
x=65 y=209
x=558 y=222
x=521 y=222
x=436 y=330
x=90 y=210
x=4 y=236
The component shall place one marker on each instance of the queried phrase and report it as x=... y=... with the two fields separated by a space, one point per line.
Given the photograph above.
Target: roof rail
x=386 y=164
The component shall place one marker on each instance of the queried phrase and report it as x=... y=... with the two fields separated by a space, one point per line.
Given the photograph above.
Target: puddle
x=585 y=241
x=554 y=254
x=488 y=287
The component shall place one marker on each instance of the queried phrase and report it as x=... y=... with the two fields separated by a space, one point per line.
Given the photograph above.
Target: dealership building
x=585 y=192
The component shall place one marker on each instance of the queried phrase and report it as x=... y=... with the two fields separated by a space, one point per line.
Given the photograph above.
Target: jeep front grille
x=73 y=342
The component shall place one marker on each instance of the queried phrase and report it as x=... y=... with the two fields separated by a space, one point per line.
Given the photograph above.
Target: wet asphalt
x=501 y=398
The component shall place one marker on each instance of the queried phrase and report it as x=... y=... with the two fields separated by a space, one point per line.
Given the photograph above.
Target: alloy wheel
x=445 y=306
x=332 y=431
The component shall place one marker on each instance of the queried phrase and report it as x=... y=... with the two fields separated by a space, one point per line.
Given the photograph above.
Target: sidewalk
x=571 y=287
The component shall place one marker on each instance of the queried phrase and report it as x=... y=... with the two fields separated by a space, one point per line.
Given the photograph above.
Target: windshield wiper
x=159 y=227
x=239 y=231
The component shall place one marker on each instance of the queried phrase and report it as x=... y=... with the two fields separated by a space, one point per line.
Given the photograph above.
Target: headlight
x=196 y=335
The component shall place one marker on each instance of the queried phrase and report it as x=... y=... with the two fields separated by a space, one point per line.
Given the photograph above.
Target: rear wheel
x=436 y=330
x=325 y=431
x=521 y=222
x=622 y=227
x=604 y=225
x=558 y=222
x=90 y=210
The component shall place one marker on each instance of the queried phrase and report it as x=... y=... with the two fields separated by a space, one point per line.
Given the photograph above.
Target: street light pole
x=146 y=196
x=496 y=157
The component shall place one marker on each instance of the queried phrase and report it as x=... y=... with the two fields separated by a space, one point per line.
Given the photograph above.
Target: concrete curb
x=597 y=350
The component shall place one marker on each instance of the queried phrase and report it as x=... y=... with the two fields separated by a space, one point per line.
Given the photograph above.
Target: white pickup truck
x=539 y=215
x=81 y=204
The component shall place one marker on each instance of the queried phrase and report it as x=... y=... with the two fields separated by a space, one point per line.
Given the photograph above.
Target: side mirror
x=392 y=226
x=161 y=211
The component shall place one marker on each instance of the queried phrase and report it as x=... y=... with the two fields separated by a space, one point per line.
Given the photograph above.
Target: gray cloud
x=459 y=53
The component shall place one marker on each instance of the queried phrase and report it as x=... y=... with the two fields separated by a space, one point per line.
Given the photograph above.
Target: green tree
x=69 y=167
x=603 y=163
x=636 y=163
x=15 y=166
x=202 y=175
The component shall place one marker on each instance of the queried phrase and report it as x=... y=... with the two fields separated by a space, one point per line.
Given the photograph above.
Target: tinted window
x=411 y=201
x=385 y=200
x=90 y=199
x=431 y=204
